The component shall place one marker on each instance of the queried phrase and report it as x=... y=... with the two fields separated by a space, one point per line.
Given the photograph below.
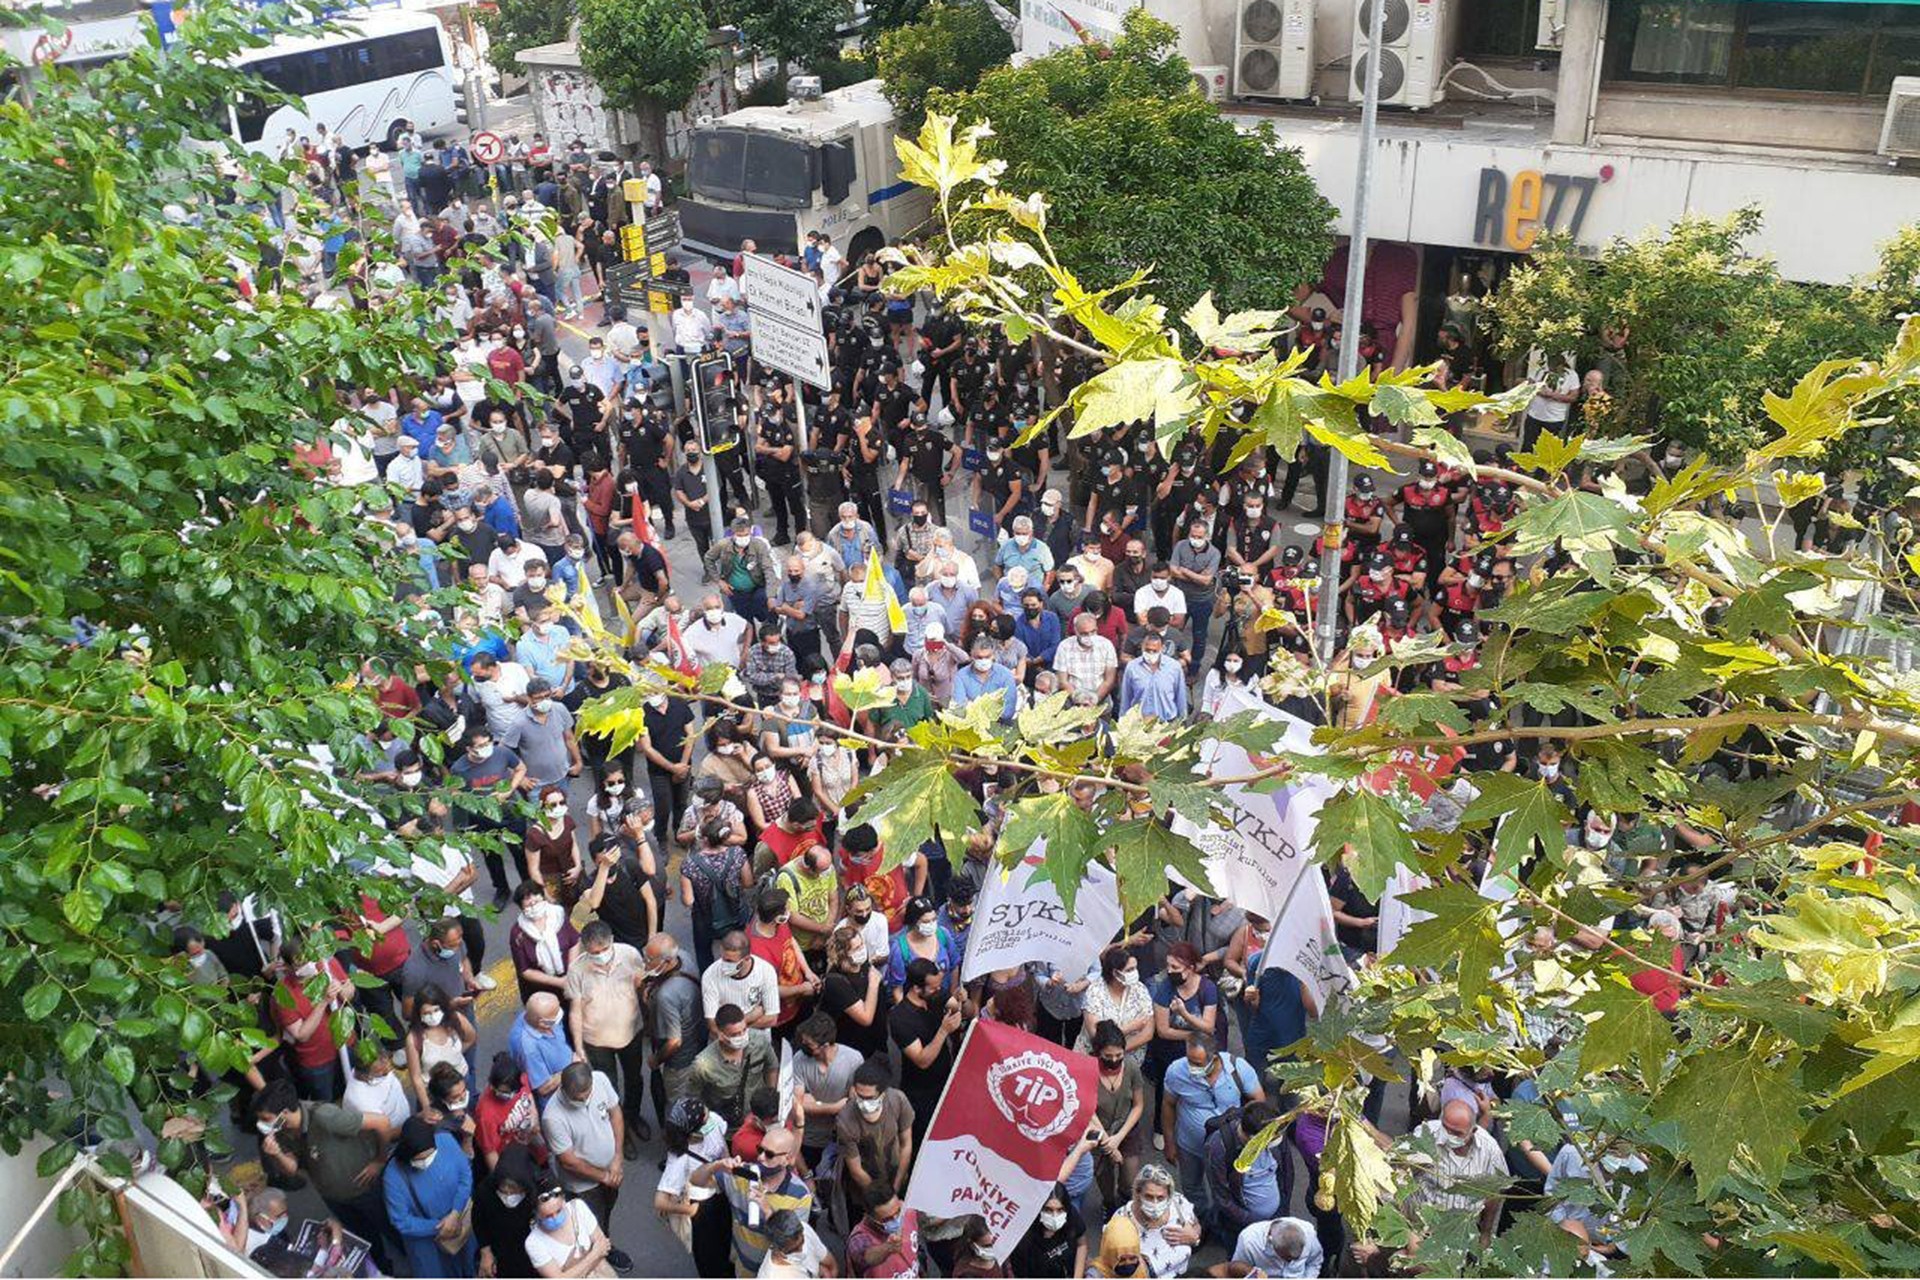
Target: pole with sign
x=788 y=333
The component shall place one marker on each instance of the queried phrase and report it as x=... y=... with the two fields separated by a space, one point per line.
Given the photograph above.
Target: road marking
x=576 y=329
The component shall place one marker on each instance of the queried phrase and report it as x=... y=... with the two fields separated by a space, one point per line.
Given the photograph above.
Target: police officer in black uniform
x=1179 y=481
x=865 y=447
x=1003 y=488
x=648 y=445
x=929 y=459
x=776 y=451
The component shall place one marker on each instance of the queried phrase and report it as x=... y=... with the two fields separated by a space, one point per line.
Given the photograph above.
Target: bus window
x=715 y=164
x=779 y=173
x=252 y=111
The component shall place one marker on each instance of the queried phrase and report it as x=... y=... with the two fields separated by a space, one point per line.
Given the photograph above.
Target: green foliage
x=1710 y=328
x=513 y=25
x=949 y=46
x=187 y=611
x=1775 y=1109
x=790 y=30
x=646 y=55
x=1146 y=174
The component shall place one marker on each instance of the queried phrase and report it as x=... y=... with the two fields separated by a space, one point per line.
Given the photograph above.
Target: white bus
x=362 y=82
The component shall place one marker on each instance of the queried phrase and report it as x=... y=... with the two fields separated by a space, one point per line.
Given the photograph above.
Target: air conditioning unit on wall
x=1900 y=133
x=1210 y=83
x=1416 y=39
x=1273 y=49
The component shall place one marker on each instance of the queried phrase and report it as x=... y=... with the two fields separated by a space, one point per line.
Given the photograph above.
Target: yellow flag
x=626 y=616
x=877 y=585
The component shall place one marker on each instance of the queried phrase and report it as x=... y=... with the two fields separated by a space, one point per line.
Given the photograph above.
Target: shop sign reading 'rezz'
x=1511 y=214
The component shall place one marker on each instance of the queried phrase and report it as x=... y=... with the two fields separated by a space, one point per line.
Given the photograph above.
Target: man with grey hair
x=1284 y=1248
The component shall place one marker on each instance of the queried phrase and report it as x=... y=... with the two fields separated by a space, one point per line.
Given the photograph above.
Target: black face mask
x=919 y=519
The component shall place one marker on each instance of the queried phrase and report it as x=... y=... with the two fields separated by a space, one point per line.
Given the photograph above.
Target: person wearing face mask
x=694 y=1136
x=1550 y=767
x=717 y=636
x=540 y=941
x=852 y=992
x=1164 y=1220
x=506 y=1116
x=568 y=1237
x=204 y=968
x=925 y=1025
x=886 y=1242
x=1055 y=1246
x=742 y=565
x=1465 y=1156
x=770 y=938
x=1202 y=1084
x=551 y=849
x=813 y=889
x=1154 y=682
x=586 y=1132
x=428 y=1189
x=766 y=1193
x=543 y=737
x=938 y=663
x=306 y=996
x=737 y=1061
x=1037 y=628
x=503 y=1208
x=338 y=1150
x=1088 y=663
x=973 y=1255
x=985 y=677
x=675 y=1020
x=1226 y=677
x=1284 y=1248
x=913 y=542
x=1121 y=1111
x=768 y=664
x=1119 y=1254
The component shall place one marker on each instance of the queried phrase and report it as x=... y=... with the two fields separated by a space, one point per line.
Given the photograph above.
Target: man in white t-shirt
x=1160 y=591
x=738 y=977
x=1548 y=409
x=717 y=636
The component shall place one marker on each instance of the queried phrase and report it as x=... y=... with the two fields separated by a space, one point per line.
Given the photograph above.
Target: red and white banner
x=1013 y=1109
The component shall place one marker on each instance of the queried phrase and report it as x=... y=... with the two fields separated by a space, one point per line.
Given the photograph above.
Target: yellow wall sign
x=635 y=190
x=660 y=301
x=657 y=264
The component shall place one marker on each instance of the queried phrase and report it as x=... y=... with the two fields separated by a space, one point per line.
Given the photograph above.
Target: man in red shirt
x=307 y=1024
x=770 y=938
x=861 y=858
x=886 y=1241
x=384 y=960
x=505 y=1115
x=791 y=832
x=504 y=363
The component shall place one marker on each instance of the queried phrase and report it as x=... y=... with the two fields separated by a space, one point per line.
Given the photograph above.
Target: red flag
x=642 y=527
x=1014 y=1106
x=677 y=655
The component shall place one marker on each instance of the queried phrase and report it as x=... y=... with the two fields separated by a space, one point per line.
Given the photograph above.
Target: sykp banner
x=1016 y=921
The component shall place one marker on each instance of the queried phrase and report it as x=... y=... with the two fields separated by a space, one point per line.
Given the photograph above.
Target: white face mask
x=1598 y=839
x=1550 y=771
x=858 y=957
x=616 y=788
x=714 y=616
x=1153 y=659
x=1152 y=1210
x=742 y=539
x=513 y=1201
x=1053 y=1221
x=949 y=580
x=735 y=1042
x=927 y=928
x=870 y=1107
x=983 y=665
x=432 y=1018
x=411 y=778
x=422 y=1163
x=1231 y=666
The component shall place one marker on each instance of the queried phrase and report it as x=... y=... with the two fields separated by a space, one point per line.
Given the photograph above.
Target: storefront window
x=1789 y=45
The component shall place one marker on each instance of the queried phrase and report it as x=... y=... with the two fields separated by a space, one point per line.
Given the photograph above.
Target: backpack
x=725 y=910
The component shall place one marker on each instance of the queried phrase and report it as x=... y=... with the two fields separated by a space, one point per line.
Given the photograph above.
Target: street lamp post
x=1326 y=628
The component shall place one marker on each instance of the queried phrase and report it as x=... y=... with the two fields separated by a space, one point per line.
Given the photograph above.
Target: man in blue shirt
x=1151 y=683
x=1025 y=550
x=496 y=508
x=1037 y=628
x=853 y=538
x=983 y=676
x=422 y=423
x=539 y=1043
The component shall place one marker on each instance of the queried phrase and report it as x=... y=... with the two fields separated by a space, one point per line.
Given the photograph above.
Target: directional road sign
x=785 y=306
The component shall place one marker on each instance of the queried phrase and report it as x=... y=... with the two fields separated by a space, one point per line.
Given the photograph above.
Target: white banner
x=1396 y=917
x=1016 y=921
x=1303 y=943
x=1254 y=863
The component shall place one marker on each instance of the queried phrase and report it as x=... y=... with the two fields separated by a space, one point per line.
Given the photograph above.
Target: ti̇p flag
x=1014 y=1106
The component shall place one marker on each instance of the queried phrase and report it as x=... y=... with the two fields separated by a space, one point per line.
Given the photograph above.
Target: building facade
x=1596 y=118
